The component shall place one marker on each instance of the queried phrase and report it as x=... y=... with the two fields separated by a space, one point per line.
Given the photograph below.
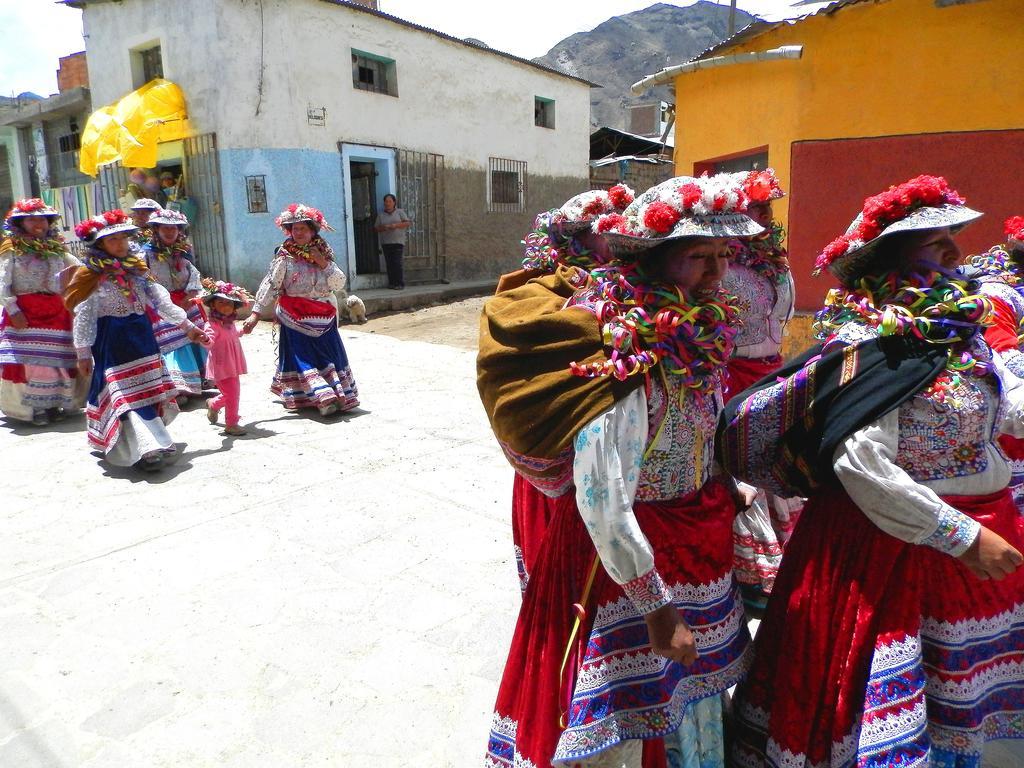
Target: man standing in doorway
x=391 y=224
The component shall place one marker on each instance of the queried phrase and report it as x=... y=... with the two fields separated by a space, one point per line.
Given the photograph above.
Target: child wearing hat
x=226 y=360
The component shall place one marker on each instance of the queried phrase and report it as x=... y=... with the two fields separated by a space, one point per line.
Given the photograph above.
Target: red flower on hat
x=595 y=207
x=620 y=196
x=660 y=217
x=762 y=186
x=609 y=222
x=32 y=204
x=690 y=194
x=115 y=216
x=85 y=228
x=1014 y=227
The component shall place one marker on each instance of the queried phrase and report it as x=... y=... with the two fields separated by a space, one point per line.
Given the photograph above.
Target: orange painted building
x=865 y=93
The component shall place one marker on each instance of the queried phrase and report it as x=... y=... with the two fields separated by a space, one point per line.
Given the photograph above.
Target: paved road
x=317 y=594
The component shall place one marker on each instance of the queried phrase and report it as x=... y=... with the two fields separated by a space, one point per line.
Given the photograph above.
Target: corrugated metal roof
x=768 y=21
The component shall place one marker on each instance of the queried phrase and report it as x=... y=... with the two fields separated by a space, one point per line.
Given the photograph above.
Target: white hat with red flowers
x=297 y=212
x=145 y=204
x=1013 y=227
x=107 y=223
x=685 y=206
x=924 y=202
x=761 y=186
x=32 y=206
x=578 y=212
x=167 y=216
x=218 y=289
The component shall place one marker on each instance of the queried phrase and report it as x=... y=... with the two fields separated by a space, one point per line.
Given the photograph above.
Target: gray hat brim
x=113 y=229
x=956 y=217
x=720 y=226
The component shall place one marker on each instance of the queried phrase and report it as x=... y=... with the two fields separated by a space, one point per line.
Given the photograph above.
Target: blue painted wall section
x=292 y=176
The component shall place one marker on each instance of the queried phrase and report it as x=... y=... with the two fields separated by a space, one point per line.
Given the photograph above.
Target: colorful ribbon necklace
x=998 y=262
x=51 y=247
x=541 y=253
x=765 y=255
x=302 y=252
x=180 y=249
x=119 y=271
x=644 y=323
x=943 y=311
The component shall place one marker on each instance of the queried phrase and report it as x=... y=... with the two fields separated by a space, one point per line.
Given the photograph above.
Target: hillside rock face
x=620 y=51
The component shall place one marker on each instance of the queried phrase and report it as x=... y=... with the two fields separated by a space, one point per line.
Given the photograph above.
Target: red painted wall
x=830 y=179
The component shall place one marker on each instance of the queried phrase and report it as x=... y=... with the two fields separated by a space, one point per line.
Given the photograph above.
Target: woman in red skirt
x=631 y=626
x=759 y=277
x=1001 y=273
x=560 y=237
x=38 y=377
x=895 y=631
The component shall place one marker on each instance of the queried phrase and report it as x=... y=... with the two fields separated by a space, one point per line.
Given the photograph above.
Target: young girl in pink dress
x=226 y=360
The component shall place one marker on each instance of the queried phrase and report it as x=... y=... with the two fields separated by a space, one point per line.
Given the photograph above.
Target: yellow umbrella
x=130 y=129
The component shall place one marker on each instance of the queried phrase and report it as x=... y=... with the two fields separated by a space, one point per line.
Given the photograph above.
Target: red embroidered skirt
x=614 y=687
x=742 y=372
x=877 y=653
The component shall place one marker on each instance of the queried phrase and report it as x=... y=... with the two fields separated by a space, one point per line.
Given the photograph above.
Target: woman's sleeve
x=166 y=307
x=83 y=329
x=7 y=297
x=194 y=284
x=335 y=277
x=609 y=452
x=270 y=288
x=865 y=464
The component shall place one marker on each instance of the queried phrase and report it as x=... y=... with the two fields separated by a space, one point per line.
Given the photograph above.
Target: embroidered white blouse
x=897 y=468
x=23 y=273
x=108 y=301
x=765 y=308
x=184 y=278
x=296 y=277
x=642 y=448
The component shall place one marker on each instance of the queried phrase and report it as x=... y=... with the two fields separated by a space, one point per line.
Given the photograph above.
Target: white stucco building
x=334 y=104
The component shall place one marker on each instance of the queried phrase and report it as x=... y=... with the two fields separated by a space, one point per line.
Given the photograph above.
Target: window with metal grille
x=152 y=63
x=506 y=185
x=374 y=73
x=543 y=112
x=62 y=139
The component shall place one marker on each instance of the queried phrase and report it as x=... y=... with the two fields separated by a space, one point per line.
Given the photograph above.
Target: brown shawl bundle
x=536 y=406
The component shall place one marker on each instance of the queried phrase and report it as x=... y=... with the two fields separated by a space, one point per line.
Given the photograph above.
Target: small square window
x=506 y=185
x=147 y=64
x=374 y=73
x=256 y=192
x=543 y=112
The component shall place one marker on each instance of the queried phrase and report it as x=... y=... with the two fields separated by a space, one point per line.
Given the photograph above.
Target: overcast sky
x=38 y=32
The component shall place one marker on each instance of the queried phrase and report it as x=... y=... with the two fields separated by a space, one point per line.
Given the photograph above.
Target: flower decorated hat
x=924 y=202
x=107 y=223
x=145 y=204
x=1013 y=227
x=761 y=186
x=33 y=206
x=166 y=216
x=707 y=206
x=297 y=212
x=218 y=289
x=550 y=242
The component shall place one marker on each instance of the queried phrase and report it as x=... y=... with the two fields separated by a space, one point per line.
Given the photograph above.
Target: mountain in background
x=622 y=50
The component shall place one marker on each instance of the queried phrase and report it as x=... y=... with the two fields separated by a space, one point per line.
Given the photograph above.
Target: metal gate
x=202 y=183
x=113 y=180
x=420 y=194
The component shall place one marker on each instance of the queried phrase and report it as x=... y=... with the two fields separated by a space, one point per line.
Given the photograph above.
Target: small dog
x=349 y=307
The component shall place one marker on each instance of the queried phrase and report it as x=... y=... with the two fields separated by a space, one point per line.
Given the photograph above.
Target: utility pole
x=732 y=18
